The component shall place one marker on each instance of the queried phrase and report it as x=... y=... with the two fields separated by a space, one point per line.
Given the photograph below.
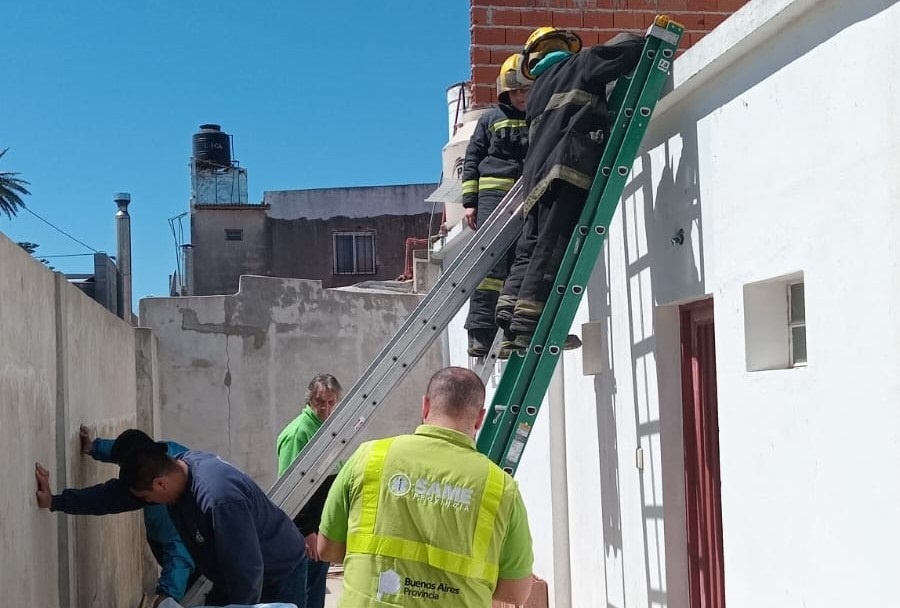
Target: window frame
x=357 y=236
x=793 y=324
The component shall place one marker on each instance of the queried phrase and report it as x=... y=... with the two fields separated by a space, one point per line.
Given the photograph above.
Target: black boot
x=480 y=341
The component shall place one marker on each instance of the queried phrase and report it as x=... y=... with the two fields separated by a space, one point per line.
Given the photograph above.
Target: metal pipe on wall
x=188 y=279
x=123 y=250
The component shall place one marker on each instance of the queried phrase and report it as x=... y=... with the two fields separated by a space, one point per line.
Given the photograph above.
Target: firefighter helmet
x=544 y=40
x=510 y=77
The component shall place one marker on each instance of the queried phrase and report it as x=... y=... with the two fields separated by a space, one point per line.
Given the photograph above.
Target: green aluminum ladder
x=526 y=377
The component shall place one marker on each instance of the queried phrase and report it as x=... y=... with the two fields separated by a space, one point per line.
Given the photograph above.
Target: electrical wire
x=60 y=230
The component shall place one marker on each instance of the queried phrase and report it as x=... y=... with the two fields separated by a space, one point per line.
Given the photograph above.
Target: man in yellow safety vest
x=424 y=519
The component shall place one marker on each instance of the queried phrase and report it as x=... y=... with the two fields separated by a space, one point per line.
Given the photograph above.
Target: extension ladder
x=525 y=380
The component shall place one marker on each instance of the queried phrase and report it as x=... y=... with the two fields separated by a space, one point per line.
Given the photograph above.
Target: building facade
x=727 y=432
x=339 y=236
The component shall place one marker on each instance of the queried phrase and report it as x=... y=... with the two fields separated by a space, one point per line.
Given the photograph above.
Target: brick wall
x=500 y=27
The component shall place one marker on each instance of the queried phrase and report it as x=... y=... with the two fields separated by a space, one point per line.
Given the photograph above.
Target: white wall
x=776 y=153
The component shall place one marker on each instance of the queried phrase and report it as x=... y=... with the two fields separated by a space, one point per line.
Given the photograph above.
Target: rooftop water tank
x=212 y=147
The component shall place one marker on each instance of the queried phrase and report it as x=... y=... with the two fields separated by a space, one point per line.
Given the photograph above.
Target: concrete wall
x=234 y=369
x=302 y=223
x=775 y=154
x=64 y=361
x=291 y=234
x=305 y=248
x=364 y=201
x=217 y=263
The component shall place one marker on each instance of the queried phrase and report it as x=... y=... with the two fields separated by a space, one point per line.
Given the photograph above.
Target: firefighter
x=569 y=122
x=493 y=162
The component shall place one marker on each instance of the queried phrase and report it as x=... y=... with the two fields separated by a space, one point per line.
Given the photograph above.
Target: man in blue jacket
x=242 y=542
x=175 y=562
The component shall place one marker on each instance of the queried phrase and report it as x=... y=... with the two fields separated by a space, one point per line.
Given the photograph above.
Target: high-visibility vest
x=426 y=526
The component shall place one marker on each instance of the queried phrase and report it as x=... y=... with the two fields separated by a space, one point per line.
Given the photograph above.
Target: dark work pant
x=316 y=579
x=539 y=253
x=484 y=298
x=289 y=589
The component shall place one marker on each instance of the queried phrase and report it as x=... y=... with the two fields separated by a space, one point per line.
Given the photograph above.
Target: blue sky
x=101 y=98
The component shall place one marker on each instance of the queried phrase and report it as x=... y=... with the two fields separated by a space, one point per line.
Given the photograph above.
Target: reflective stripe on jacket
x=495 y=152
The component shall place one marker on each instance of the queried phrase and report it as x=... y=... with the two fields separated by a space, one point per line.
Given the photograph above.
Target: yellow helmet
x=510 y=77
x=544 y=40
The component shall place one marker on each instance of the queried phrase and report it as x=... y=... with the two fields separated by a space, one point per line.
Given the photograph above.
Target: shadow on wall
x=665 y=259
x=673 y=224
x=656 y=268
x=605 y=391
x=664 y=262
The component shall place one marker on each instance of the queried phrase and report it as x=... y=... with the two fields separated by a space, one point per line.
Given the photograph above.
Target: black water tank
x=212 y=147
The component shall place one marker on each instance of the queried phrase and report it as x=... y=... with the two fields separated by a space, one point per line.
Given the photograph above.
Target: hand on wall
x=43 y=493
x=84 y=435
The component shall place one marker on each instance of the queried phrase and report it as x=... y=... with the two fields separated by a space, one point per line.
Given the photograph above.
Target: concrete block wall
x=500 y=27
x=64 y=361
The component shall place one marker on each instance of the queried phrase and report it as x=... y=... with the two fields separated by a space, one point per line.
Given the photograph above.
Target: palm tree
x=10 y=189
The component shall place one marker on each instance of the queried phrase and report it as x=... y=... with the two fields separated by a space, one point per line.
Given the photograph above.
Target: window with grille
x=354 y=252
x=234 y=234
x=775 y=323
x=797 y=323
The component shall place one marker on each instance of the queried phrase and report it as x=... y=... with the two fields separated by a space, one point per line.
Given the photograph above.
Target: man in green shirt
x=424 y=519
x=322 y=396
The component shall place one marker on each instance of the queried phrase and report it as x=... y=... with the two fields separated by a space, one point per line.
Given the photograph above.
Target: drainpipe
x=123 y=250
x=187 y=289
x=559 y=489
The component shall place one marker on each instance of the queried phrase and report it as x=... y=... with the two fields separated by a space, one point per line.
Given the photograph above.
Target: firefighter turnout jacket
x=568 y=116
x=495 y=152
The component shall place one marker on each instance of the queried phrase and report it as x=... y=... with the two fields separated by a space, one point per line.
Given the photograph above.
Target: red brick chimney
x=500 y=27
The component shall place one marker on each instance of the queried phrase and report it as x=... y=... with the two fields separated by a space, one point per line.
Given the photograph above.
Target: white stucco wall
x=806 y=506
x=776 y=153
x=234 y=369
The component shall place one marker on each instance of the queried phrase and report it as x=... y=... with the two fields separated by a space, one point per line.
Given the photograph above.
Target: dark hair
x=326 y=381
x=141 y=466
x=456 y=392
x=127 y=442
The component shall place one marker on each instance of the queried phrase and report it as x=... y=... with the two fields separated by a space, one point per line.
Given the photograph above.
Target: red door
x=701 y=456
